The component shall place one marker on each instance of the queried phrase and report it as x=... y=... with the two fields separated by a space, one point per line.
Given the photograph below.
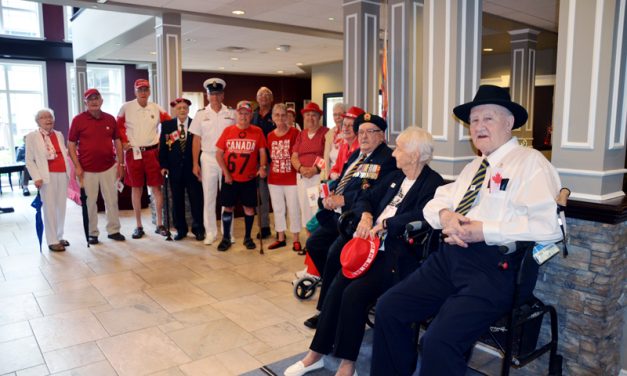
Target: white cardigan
x=37 y=156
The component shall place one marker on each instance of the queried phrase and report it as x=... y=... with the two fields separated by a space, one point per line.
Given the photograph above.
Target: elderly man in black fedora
x=175 y=158
x=505 y=195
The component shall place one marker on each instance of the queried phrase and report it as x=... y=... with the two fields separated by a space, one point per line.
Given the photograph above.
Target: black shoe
x=265 y=233
x=200 y=236
x=180 y=236
x=93 y=240
x=312 y=322
x=224 y=244
x=249 y=243
x=25 y=192
x=138 y=233
x=64 y=243
x=56 y=247
x=277 y=244
x=161 y=230
x=117 y=237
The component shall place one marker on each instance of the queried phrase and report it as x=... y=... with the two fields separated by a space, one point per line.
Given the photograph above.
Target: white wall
x=326 y=78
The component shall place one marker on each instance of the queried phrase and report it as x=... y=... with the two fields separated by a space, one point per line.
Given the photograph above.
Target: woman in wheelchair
x=385 y=211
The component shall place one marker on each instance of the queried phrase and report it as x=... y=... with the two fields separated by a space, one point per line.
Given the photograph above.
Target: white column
x=169 y=69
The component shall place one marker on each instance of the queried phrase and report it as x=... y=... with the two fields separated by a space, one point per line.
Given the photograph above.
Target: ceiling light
x=283 y=47
x=235 y=58
x=153 y=52
x=487 y=49
x=101 y=1
x=299 y=64
x=279 y=72
x=331 y=18
x=238 y=12
x=221 y=68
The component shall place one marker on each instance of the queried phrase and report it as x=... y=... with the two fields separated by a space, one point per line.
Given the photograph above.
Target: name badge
x=137 y=153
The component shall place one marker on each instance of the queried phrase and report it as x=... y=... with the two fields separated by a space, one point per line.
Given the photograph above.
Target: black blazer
x=410 y=209
x=171 y=157
x=355 y=188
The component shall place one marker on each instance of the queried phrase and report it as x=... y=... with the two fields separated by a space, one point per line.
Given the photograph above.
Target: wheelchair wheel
x=305 y=288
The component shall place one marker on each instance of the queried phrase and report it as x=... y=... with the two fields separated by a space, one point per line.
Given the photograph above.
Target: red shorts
x=148 y=167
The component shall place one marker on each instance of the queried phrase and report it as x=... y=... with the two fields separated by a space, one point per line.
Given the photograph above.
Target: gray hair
x=339 y=104
x=279 y=107
x=45 y=109
x=264 y=89
x=418 y=139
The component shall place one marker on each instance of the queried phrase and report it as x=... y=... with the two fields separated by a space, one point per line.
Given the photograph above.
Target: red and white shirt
x=139 y=125
x=241 y=151
x=280 y=148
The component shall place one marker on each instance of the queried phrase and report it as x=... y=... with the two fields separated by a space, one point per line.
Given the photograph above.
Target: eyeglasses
x=369 y=132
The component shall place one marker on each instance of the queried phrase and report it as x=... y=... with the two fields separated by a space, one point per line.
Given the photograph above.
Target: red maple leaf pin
x=497 y=178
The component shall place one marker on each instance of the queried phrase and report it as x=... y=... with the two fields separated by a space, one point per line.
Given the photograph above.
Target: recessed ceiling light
x=238 y=12
x=299 y=64
x=280 y=71
x=190 y=40
x=221 y=68
x=283 y=47
x=235 y=58
x=487 y=49
x=153 y=52
x=331 y=18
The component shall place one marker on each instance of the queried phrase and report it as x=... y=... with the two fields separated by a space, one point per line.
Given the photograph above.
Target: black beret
x=367 y=117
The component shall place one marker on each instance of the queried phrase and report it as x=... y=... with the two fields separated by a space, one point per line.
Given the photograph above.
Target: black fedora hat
x=490 y=94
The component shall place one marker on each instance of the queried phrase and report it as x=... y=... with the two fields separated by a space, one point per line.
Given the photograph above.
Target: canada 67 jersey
x=241 y=151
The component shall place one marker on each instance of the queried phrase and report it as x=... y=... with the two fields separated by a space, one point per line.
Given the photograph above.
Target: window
x=20 y=18
x=108 y=79
x=22 y=93
x=68 y=12
x=197 y=99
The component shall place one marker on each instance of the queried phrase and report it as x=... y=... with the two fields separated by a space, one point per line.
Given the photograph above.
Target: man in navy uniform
x=363 y=169
x=504 y=196
x=175 y=158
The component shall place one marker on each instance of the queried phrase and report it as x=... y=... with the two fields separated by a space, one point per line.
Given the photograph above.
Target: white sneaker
x=301 y=273
x=209 y=239
x=299 y=369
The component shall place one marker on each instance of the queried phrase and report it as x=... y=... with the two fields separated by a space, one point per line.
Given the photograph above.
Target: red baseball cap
x=292 y=110
x=357 y=256
x=89 y=92
x=179 y=100
x=141 y=83
x=244 y=105
x=311 y=107
x=353 y=112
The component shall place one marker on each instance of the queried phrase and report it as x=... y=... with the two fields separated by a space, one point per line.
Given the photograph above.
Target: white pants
x=54 y=197
x=211 y=181
x=306 y=211
x=106 y=182
x=283 y=196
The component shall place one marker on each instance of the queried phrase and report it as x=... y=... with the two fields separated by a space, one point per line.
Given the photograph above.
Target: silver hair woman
x=46 y=161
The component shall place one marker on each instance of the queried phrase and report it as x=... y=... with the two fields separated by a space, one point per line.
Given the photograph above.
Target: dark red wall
x=54 y=26
x=130 y=75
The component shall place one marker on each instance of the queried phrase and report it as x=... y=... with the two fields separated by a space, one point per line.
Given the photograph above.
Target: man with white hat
x=208 y=125
x=138 y=123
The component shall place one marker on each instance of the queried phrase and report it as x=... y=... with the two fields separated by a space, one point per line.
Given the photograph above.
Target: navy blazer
x=409 y=210
x=381 y=156
x=171 y=157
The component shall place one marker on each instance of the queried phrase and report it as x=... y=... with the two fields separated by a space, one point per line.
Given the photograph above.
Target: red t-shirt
x=241 y=151
x=281 y=171
x=310 y=148
x=342 y=156
x=57 y=164
x=94 y=139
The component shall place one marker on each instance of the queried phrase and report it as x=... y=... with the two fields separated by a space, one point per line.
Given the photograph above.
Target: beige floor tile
x=19 y=354
x=23 y=286
x=259 y=271
x=230 y=286
x=107 y=265
x=204 y=264
x=14 y=331
x=252 y=312
x=70 y=301
x=134 y=317
x=294 y=305
x=196 y=316
x=142 y=352
x=73 y=357
x=211 y=338
x=206 y=367
x=237 y=361
x=67 y=329
x=279 y=335
x=179 y=296
x=118 y=283
x=71 y=285
x=169 y=372
x=18 y=308
x=124 y=300
x=284 y=352
x=102 y=368
x=40 y=370
x=55 y=274
x=166 y=274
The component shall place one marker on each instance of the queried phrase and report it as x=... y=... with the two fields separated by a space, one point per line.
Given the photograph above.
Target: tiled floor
x=141 y=307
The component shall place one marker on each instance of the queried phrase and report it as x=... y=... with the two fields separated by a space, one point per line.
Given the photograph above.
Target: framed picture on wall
x=291 y=105
x=328 y=101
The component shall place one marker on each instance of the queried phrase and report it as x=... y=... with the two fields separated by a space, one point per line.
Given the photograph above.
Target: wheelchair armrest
x=416 y=231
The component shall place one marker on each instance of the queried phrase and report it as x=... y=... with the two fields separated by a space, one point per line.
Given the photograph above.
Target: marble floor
x=141 y=307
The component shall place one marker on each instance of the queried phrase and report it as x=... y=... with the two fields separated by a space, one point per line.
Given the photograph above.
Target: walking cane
x=259 y=216
x=166 y=206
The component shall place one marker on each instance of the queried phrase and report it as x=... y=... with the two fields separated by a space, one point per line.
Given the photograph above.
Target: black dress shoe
x=312 y=322
x=224 y=245
x=93 y=240
x=138 y=233
x=117 y=237
x=56 y=247
x=249 y=243
x=199 y=236
x=64 y=243
x=180 y=236
x=265 y=233
x=161 y=230
x=25 y=192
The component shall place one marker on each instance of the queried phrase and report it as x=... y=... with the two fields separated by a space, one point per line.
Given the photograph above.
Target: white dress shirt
x=209 y=125
x=521 y=208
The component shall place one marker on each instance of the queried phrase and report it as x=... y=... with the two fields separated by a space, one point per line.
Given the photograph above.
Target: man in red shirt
x=241 y=154
x=138 y=123
x=91 y=137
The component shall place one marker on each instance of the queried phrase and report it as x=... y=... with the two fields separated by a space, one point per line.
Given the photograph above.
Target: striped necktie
x=349 y=175
x=182 y=138
x=473 y=189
